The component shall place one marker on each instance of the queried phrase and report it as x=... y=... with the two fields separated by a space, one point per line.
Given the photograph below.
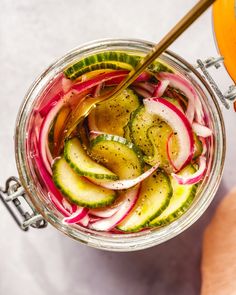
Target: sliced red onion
x=130 y=199
x=43 y=137
x=126 y=183
x=199 y=113
x=160 y=88
x=144 y=76
x=201 y=130
x=194 y=178
x=49 y=155
x=93 y=219
x=81 y=86
x=141 y=78
x=140 y=91
x=204 y=145
x=145 y=86
x=182 y=84
x=97 y=90
x=53 y=92
x=104 y=213
x=84 y=221
x=75 y=217
x=180 y=125
x=58 y=204
x=66 y=84
x=47 y=107
x=68 y=206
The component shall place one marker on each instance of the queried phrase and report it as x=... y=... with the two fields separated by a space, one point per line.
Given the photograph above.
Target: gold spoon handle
x=173 y=34
x=87 y=105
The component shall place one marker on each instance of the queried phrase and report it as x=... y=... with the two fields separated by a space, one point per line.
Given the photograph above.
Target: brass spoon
x=85 y=107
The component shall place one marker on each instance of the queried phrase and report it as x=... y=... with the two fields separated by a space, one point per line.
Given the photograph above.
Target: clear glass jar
x=35 y=187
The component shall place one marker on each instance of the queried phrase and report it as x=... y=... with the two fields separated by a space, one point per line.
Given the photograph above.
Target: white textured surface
x=32 y=34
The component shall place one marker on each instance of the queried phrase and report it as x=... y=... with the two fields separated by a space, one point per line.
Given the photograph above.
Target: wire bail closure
x=19 y=206
x=230 y=95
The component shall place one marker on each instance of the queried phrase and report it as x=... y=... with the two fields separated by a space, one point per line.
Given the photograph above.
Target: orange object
x=224 y=17
x=219 y=256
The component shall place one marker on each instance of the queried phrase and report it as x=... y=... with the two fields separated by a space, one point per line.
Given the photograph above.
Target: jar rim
x=117 y=242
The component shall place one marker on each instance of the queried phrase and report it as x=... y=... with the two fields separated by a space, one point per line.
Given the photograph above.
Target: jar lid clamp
x=21 y=209
x=230 y=95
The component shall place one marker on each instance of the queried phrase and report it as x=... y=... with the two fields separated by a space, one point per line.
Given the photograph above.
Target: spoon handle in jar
x=173 y=34
x=84 y=109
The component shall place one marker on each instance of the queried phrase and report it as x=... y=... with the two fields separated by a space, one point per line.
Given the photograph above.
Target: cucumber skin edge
x=179 y=212
x=160 y=210
x=122 y=140
x=80 y=203
x=84 y=173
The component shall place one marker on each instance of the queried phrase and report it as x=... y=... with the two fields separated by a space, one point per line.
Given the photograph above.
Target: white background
x=32 y=35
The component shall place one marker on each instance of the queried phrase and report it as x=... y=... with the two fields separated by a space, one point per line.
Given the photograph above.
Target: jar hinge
x=230 y=95
x=19 y=206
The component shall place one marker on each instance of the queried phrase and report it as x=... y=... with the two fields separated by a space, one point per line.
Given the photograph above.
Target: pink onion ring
x=201 y=130
x=81 y=86
x=43 y=137
x=105 y=224
x=126 y=183
x=84 y=221
x=161 y=88
x=104 y=213
x=149 y=87
x=182 y=84
x=142 y=92
x=194 y=178
x=76 y=216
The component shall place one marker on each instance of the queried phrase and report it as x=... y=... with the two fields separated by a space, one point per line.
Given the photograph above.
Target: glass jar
x=35 y=188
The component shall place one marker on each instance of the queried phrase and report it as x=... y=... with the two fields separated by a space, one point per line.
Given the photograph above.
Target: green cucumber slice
x=154 y=197
x=113 y=115
x=158 y=136
x=182 y=198
x=127 y=132
x=103 y=60
x=117 y=154
x=140 y=121
x=82 y=164
x=79 y=190
x=111 y=60
x=159 y=66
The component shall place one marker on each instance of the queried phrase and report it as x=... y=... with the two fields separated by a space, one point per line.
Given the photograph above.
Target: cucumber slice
x=118 y=154
x=103 y=60
x=159 y=66
x=79 y=190
x=140 y=122
x=98 y=66
x=154 y=197
x=127 y=132
x=158 y=135
x=82 y=164
x=111 y=60
x=113 y=115
x=182 y=198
